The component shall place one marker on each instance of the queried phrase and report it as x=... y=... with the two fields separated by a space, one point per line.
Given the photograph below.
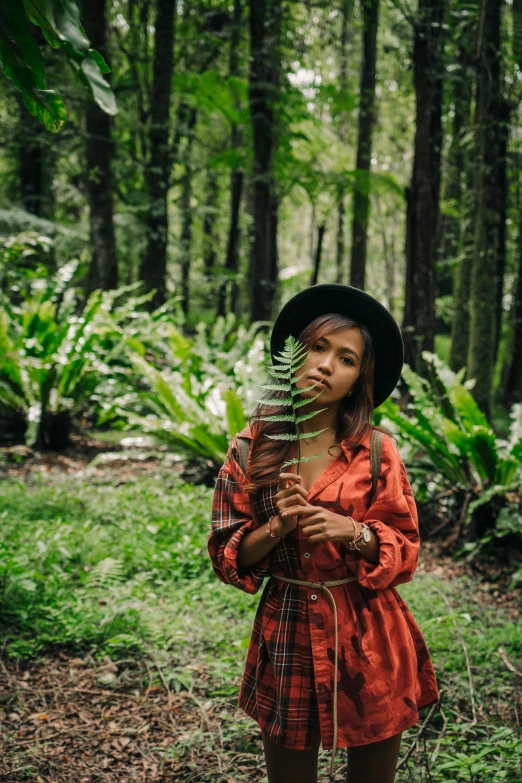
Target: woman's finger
x=297 y=489
x=298 y=509
x=285 y=477
x=287 y=503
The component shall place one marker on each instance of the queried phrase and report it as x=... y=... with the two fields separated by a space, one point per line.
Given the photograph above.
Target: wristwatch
x=364 y=536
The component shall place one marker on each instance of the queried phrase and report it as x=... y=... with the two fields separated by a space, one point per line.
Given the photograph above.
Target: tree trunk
x=449 y=225
x=209 y=222
x=484 y=283
x=321 y=230
x=186 y=231
x=265 y=23
x=346 y=15
x=423 y=196
x=513 y=386
x=457 y=239
x=503 y=192
x=187 y=120
x=236 y=188
x=339 y=256
x=511 y=377
x=361 y=197
x=153 y=268
x=103 y=272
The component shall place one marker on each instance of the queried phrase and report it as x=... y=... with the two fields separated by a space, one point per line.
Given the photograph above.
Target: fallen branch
x=507 y=662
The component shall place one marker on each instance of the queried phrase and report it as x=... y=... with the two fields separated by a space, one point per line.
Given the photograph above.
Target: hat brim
x=352 y=302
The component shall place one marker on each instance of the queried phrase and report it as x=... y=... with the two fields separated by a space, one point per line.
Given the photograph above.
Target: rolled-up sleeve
x=393 y=518
x=231 y=522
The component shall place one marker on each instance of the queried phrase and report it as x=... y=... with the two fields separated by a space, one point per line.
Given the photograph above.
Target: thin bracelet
x=269 y=529
x=357 y=537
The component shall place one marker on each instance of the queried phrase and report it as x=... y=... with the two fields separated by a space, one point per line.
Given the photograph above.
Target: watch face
x=367 y=536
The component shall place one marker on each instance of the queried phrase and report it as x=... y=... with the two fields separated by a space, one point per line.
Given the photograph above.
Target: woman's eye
x=318 y=345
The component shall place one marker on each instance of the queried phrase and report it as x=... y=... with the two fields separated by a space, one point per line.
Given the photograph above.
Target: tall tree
x=153 y=267
x=344 y=51
x=265 y=26
x=487 y=142
x=236 y=183
x=103 y=272
x=457 y=228
x=361 y=198
x=423 y=194
x=512 y=387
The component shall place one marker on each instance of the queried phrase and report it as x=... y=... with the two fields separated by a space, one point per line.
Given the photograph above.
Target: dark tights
x=373 y=763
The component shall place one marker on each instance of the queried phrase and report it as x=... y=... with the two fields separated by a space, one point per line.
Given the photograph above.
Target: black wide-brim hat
x=352 y=302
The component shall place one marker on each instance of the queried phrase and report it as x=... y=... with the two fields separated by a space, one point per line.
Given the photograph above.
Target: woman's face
x=337 y=358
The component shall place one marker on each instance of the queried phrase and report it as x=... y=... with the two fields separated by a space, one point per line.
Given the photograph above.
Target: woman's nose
x=325 y=365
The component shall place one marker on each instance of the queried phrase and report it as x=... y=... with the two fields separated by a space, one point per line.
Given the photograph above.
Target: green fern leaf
x=274 y=401
x=302 y=459
x=285 y=369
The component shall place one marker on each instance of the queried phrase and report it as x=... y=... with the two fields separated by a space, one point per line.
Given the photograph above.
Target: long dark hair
x=353 y=417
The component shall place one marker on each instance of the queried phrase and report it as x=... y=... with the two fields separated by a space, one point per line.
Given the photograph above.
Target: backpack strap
x=243 y=445
x=375 y=458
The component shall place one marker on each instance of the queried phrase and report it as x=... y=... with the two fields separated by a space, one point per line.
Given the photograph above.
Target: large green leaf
x=235 y=413
x=23 y=64
x=60 y=23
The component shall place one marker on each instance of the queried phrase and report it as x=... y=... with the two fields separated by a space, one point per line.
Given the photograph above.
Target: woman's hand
x=320 y=524
x=289 y=499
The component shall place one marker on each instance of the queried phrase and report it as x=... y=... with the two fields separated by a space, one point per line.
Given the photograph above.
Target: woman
x=305 y=684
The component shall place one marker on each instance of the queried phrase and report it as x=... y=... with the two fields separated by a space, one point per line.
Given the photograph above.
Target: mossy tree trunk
x=263 y=89
x=153 y=267
x=361 y=196
x=423 y=194
x=484 y=271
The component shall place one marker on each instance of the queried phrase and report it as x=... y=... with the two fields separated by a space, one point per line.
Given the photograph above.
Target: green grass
x=90 y=566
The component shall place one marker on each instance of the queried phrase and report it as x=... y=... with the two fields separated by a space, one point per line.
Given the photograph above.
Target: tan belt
x=324 y=586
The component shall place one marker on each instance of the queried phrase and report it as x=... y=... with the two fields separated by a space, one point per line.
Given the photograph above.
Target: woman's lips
x=323 y=381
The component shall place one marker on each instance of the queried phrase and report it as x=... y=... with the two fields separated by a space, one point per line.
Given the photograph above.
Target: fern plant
x=444 y=421
x=290 y=360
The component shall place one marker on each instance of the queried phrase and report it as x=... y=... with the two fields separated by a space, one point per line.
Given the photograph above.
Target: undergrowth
x=92 y=567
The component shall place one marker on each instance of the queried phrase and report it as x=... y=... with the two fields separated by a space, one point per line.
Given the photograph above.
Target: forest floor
x=70 y=718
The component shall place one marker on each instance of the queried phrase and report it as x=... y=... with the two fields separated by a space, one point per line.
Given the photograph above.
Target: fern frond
x=306 y=416
x=106 y=573
x=274 y=401
x=298 y=390
x=293 y=356
x=277 y=386
x=302 y=459
x=293 y=436
x=277 y=417
x=300 y=403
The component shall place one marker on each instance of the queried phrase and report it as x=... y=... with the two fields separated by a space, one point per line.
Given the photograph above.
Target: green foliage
x=444 y=421
x=47 y=356
x=197 y=396
x=126 y=568
x=80 y=567
x=23 y=64
x=290 y=359
x=22 y=61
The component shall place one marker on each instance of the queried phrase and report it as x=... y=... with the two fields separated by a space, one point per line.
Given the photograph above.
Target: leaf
x=60 y=23
x=235 y=413
x=23 y=64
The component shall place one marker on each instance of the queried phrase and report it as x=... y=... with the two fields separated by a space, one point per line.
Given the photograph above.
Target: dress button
x=307 y=554
x=313 y=597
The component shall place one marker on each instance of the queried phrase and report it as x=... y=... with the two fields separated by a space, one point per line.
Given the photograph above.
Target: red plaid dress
x=385 y=674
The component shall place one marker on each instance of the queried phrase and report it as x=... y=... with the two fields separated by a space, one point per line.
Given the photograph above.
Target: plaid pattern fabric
x=385 y=674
